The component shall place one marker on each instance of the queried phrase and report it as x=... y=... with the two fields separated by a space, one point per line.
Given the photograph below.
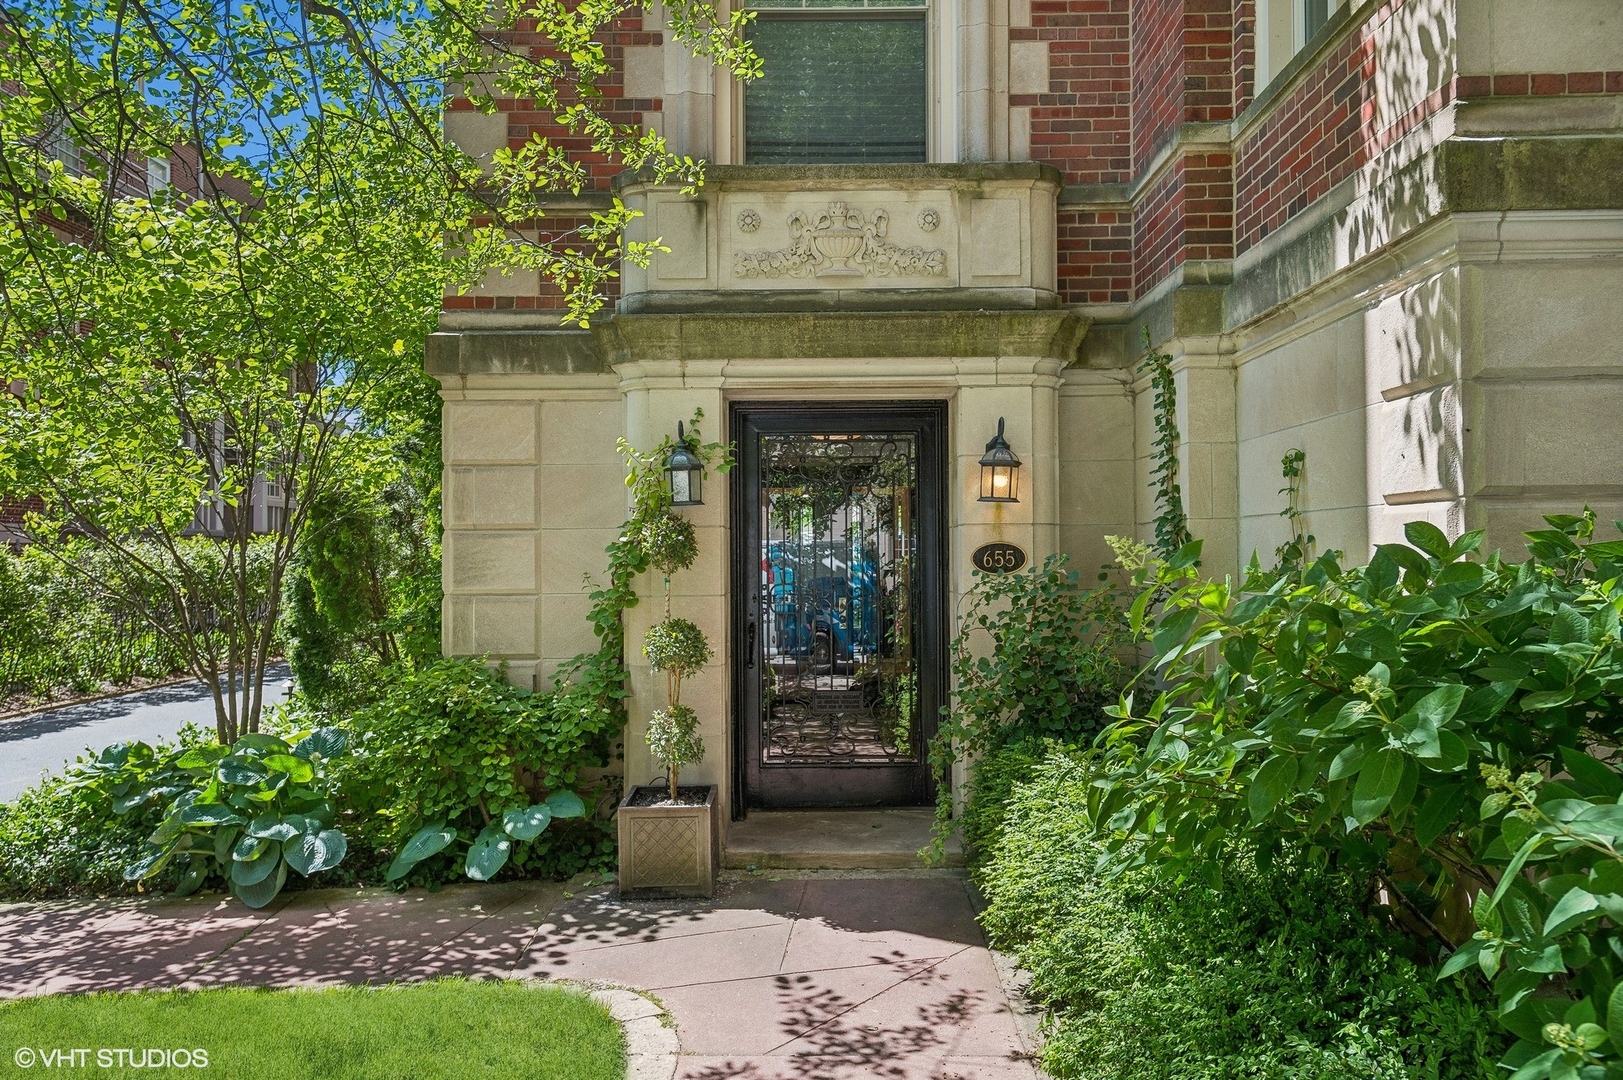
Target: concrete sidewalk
x=793 y=975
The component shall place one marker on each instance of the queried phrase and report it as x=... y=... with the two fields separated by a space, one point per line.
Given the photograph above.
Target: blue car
x=822 y=609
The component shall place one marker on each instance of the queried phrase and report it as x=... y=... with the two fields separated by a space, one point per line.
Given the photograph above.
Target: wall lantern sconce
x=1000 y=470
x=684 y=473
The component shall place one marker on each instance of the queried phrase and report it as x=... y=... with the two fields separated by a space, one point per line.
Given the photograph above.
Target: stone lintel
x=512 y=352
x=844 y=335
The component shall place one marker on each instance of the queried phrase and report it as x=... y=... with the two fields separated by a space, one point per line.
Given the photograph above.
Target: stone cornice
x=844 y=335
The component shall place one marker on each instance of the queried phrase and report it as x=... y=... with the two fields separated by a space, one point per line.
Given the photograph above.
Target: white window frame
x=160 y=175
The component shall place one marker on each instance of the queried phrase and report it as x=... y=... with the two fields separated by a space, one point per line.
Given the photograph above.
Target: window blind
x=837 y=87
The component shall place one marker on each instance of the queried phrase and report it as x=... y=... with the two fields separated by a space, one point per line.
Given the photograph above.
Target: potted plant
x=669 y=834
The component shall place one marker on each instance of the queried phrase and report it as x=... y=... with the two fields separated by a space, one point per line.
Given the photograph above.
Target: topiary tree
x=667 y=542
x=678 y=648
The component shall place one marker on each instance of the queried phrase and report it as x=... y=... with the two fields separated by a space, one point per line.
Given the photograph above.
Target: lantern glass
x=684 y=473
x=1000 y=470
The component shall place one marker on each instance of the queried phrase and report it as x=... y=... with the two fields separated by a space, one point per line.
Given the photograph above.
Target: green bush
x=1277 y=974
x=77 y=622
x=991 y=786
x=241 y=817
x=65 y=836
x=1036 y=657
x=455 y=744
x=1377 y=716
x=363 y=594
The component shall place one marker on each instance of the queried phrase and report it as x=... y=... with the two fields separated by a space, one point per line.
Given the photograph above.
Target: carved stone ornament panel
x=840 y=242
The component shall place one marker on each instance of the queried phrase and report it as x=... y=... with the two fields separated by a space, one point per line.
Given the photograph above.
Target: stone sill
x=814 y=177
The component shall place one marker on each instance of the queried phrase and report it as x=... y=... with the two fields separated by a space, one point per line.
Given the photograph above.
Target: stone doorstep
x=855 y=839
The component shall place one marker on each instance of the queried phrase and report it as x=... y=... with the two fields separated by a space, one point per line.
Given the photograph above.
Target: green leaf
x=263 y=892
x=1575 y=906
x=1546 y=699
x=312 y=853
x=1174 y=630
x=1275 y=779
x=1440 y=811
x=1569 y=626
x=429 y=840
x=1614 y=1015
x=271 y=827
x=329 y=742
x=1377 y=783
x=489 y=852
x=147 y=866
x=1593 y=776
x=528 y=823
x=265 y=744
x=241 y=771
x=210 y=814
x=1350 y=760
x=565 y=804
x=297 y=769
x=1463 y=957
x=253 y=871
x=1428 y=538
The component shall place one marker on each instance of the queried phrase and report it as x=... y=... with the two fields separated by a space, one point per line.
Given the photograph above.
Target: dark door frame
x=747 y=419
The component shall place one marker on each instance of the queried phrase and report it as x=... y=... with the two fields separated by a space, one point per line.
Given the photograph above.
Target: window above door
x=841 y=84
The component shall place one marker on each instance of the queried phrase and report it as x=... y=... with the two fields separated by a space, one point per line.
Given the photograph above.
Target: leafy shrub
x=363 y=594
x=65 y=836
x=243 y=815
x=1036 y=657
x=991 y=786
x=77 y=621
x=1277 y=974
x=454 y=746
x=1376 y=716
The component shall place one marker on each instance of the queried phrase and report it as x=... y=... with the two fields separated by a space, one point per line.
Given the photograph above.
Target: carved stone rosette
x=840 y=243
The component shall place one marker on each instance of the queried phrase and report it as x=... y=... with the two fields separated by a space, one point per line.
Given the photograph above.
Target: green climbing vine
x=1294 y=553
x=1171 y=523
x=652 y=536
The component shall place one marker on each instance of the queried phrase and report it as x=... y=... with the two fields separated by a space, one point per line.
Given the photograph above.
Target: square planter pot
x=669 y=850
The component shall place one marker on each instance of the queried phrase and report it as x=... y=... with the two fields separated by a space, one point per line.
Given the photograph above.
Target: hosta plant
x=248 y=813
x=489 y=850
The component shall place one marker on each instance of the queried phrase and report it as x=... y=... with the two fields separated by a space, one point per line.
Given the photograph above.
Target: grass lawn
x=451 y=1028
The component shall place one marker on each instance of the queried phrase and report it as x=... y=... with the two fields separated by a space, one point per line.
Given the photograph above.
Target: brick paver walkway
x=809 y=976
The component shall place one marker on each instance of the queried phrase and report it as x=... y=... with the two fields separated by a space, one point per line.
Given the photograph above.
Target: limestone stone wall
x=1098 y=479
x=532 y=496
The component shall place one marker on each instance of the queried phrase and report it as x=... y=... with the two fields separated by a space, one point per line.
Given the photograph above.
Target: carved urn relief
x=840 y=242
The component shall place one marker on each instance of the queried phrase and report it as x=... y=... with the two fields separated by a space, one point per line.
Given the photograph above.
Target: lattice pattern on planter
x=666 y=851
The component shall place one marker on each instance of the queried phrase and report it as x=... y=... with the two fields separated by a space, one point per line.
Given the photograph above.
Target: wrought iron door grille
x=838 y=600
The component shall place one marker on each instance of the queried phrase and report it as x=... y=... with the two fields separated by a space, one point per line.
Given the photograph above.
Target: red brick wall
x=1158 y=75
x=525 y=120
x=1082 y=126
x=1158 y=229
x=1096 y=256
x=1208 y=60
x=1245 y=54
x=1324 y=131
x=553 y=229
x=1570 y=83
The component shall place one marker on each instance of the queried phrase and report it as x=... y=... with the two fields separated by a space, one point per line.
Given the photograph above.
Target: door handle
x=749 y=634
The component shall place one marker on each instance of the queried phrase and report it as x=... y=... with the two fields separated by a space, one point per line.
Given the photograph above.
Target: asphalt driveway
x=32 y=746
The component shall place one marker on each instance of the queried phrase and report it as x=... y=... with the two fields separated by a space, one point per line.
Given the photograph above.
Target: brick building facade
x=1386 y=232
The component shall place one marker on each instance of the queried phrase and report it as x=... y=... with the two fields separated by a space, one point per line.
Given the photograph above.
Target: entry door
x=839 y=602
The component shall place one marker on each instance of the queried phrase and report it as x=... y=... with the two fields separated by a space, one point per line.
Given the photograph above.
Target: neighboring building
x=138 y=177
x=1389 y=233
